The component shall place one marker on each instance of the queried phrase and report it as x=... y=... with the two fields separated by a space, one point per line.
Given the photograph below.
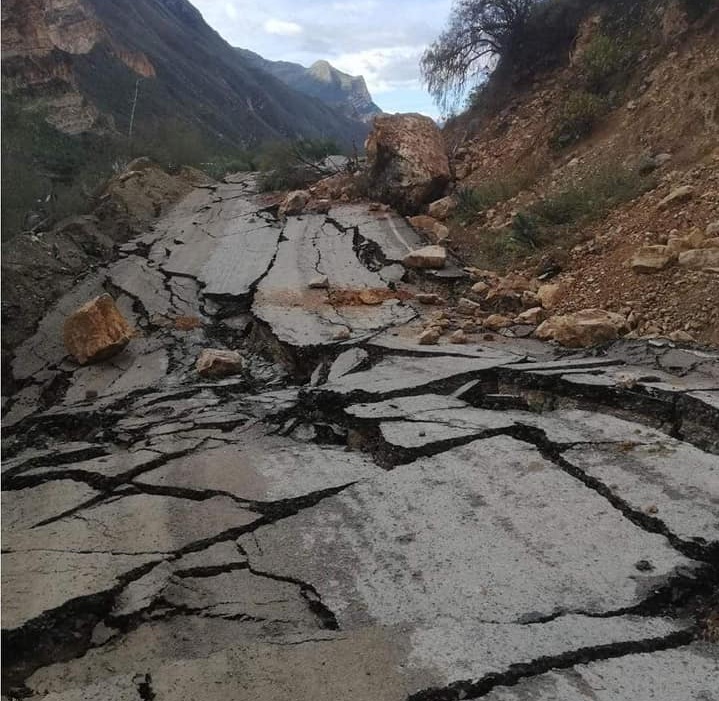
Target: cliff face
x=40 y=39
x=346 y=93
x=82 y=59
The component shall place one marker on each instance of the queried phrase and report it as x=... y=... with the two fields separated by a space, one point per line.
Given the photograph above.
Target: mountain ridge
x=346 y=93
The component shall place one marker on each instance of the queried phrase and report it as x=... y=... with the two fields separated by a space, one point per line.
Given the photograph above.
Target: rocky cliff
x=84 y=57
x=346 y=93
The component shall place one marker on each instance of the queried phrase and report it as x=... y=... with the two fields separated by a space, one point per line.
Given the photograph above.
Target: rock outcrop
x=96 y=331
x=408 y=164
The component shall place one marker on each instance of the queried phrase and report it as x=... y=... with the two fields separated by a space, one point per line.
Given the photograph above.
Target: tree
x=479 y=32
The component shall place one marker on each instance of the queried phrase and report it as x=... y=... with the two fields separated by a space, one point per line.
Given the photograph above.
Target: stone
x=442 y=209
x=677 y=195
x=711 y=243
x=422 y=222
x=342 y=334
x=96 y=331
x=440 y=232
x=467 y=307
x=407 y=161
x=712 y=229
x=680 y=336
x=548 y=294
x=588 y=327
x=429 y=337
x=650 y=259
x=700 y=258
x=427 y=257
x=458 y=337
x=494 y=322
x=480 y=288
x=531 y=316
x=321 y=282
x=294 y=203
x=218 y=362
x=428 y=298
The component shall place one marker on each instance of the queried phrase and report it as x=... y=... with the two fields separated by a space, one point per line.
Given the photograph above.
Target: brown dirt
x=671 y=105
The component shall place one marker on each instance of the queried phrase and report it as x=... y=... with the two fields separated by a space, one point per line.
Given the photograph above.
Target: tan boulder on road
x=96 y=331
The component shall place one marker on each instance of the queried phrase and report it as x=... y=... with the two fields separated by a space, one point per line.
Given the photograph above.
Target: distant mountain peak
x=342 y=91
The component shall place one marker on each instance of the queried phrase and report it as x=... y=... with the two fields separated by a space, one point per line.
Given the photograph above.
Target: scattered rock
x=429 y=337
x=588 y=327
x=480 y=288
x=321 y=282
x=681 y=337
x=531 y=316
x=96 y=331
x=467 y=307
x=428 y=298
x=427 y=257
x=649 y=259
x=422 y=222
x=548 y=294
x=442 y=209
x=218 y=362
x=322 y=206
x=440 y=232
x=701 y=258
x=458 y=337
x=342 y=334
x=494 y=322
x=712 y=229
x=678 y=194
x=408 y=164
x=294 y=203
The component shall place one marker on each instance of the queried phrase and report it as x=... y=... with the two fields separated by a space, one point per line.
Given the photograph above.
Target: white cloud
x=281 y=27
x=231 y=11
x=385 y=69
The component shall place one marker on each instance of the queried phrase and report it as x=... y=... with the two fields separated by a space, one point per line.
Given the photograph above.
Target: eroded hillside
x=564 y=175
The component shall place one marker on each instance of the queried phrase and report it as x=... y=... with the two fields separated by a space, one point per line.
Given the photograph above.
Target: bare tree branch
x=478 y=32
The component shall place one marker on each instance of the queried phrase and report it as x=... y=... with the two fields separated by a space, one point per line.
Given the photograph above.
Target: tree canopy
x=479 y=32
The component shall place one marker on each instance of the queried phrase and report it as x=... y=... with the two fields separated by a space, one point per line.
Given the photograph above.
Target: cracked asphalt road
x=365 y=519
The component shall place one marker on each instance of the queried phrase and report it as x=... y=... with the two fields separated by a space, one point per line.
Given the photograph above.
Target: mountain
x=84 y=58
x=346 y=93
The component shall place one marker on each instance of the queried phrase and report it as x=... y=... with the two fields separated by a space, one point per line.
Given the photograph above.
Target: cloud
x=231 y=11
x=384 y=69
x=282 y=27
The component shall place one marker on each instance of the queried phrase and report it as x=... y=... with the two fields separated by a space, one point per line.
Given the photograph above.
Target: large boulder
x=408 y=164
x=96 y=331
x=588 y=327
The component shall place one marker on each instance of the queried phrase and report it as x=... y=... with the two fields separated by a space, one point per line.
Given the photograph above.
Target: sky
x=379 y=39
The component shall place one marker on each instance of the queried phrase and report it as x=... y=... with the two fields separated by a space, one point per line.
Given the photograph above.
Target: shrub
x=590 y=199
x=291 y=165
x=602 y=59
x=580 y=112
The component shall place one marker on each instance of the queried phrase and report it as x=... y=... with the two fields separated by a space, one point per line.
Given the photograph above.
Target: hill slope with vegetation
x=583 y=118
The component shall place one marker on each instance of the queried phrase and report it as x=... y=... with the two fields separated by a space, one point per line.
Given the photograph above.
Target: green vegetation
x=556 y=221
x=473 y=201
x=604 y=63
x=290 y=165
x=590 y=199
x=577 y=117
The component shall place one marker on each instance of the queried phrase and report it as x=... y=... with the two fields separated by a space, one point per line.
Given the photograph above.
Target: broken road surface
x=353 y=515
